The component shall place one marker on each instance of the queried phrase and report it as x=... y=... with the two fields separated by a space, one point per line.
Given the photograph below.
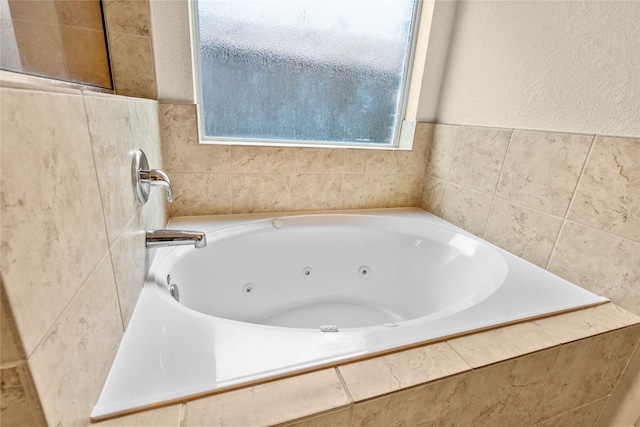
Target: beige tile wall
x=566 y=202
x=218 y=179
x=569 y=203
x=73 y=255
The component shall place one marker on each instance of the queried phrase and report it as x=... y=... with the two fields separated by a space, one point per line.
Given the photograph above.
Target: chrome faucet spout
x=159 y=238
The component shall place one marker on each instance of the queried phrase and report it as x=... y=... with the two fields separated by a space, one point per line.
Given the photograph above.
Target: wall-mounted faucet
x=158 y=238
x=144 y=178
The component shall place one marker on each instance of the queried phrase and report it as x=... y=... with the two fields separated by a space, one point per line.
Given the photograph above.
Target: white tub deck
x=170 y=352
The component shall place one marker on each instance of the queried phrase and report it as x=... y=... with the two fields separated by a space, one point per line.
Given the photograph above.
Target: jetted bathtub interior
x=346 y=271
x=276 y=294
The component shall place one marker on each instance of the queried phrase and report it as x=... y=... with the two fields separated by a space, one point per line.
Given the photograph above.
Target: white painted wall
x=441 y=27
x=570 y=66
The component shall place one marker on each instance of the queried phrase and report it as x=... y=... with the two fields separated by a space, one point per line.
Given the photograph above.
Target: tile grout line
x=104 y=218
x=183 y=414
x=68 y=304
x=424 y=165
x=344 y=385
x=495 y=190
x=447 y=180
x=573 y=196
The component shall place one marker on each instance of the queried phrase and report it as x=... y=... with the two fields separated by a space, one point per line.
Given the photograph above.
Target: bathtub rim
x=112 y=412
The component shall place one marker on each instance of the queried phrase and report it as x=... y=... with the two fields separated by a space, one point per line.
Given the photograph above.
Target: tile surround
x=269 y=179
x=621 y=408
x=57 y=151
x=441 y=151
x=70 y=309
x=601 y=262
x=566 y=202
x=541 y=169
x=522 y=231
x=506 y=382
x=478 y=157
x=466 y=208
x=504 y=343
x=608 y=197
x=77 y=353
x=436 y=403
x=127 y=26
x=270 y=403
x=402 y=370
x=536 y=379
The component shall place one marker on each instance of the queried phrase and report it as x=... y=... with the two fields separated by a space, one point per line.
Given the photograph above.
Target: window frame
x=403 y=129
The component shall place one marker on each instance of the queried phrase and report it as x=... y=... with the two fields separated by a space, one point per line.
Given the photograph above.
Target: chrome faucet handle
x=157 y=178
x=143 y=178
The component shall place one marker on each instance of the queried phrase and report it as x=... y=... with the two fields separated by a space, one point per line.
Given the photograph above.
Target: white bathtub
x=276 y=294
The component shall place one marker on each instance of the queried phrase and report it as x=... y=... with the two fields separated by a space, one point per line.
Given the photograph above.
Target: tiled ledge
x=529 y=374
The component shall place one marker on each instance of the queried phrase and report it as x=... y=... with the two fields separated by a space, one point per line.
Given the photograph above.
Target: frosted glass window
x=304 y=70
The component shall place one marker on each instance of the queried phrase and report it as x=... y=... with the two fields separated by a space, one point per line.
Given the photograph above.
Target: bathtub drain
x=174 y=292
x=329 y=328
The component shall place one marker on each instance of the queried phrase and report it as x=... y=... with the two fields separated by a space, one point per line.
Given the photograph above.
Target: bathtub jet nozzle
x=160 y=238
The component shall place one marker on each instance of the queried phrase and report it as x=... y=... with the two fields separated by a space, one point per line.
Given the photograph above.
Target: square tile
x=58 y=200
x=315 y=191
x=364 y=191
x=523 y=232
x=600 y=262
x=541 y=170
x=201 y=194
x=369 y=161
x=181 y=146
x=510 y=393
x=404 y=190
x=432 y=195
x=397 y=371
x=132 y=65
x=270 y=403
x=127 y=16
x=500 y=344
x=114 y=136
x=568 y=327
x=260 y=192
x=608 y=197
x=587 y=370
x=442 y=150
x=317 y=160
x=254 y=159
x=622 y=407
x=70 y=365
x=478 y=157
x=437 y=403
x=468 y=209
